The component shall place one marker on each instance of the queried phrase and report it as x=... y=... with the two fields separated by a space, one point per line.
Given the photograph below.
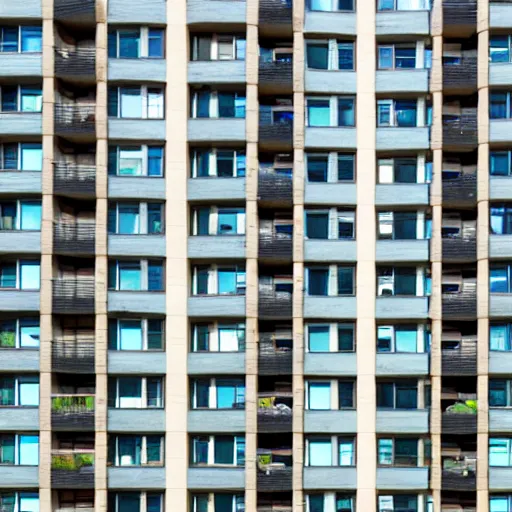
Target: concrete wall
x=402 y=81
x=217 y=11
x=330 y=194
x=221 y=306
x=21 y=123
x=218 y=247
x=21 y=65
x=330 y=138
x=136 y=245
x=330 y=307
x=136 y=129
x=212 y=189
x=125 y=187
x=124 y=362
x=396 y=138
x=24 y=182
x=217 y=422
x=402 y=364
x=137 y=70
x=136 y=420
x=136 y=478
x=224 y=363
x=22 y=360
x=136 y=302
x=216 y=478
x=330 y=363
x=330 y=422
x=129 y=11
x=402 y=479
x=402 y=421
x=216 y=130
x=26 y=242
x=216 y=71
x=402 y=250
x=330 y=250
x=19 y=419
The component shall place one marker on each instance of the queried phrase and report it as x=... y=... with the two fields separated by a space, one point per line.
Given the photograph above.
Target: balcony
x=461 y=77
x=275 y=413
x=74 y=238
x=275 y=77
x=74 y=179
x=275 y=17
x=459 y=423
x=275 y=246
x=274 y=304
x=461 y=191
x=72 y=469
x=274 y=188
x=275 y=135
x=73 y=355
x=278 y=479
x=459 y=473
x=459 y=249
x=73 y=296
x=77 y=64
x=460 y=132
x=460 y=361
x=273 y=360
x=459 y=17
x=75 y=120
x=75 y=11
x=73 y=412
x=461 y=305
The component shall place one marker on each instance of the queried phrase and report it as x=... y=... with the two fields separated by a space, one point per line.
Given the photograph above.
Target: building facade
x=280 y=229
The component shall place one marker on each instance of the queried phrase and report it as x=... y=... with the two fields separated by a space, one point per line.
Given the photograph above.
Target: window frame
x=239 y=387
x=144 y=393
x=213 y=104
x=214 y=338
x=114 y=439
x=144 y=38
x=144 y=95
x=144 y=329
x=145 y=149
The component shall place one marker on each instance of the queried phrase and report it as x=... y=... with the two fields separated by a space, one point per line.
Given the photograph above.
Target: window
x=136 y=218
x=322 y=337
x=220 y=449
x=135 y=392
x=21 y=98
x=320 y=451
x=318 y=224
x=20 y=275
x=11 y=501
x=20 y=215
x=217 y=104
x=398 y=226
x=343 y=503
x=398 y=113
x=500 y=279
x=19 y=391
x=500 y=393
x=399 y=503
x=403 y=170
x=218 y=338
x=397 y=395
x=500 y=452
x=217 y=163
x=398 y=452
x=500 y=163
x=499 y=48
x=131 y=450
x=218 y=47
x=401 y=281
x=499 y=107
x=330 y=55
x=218 y=393
x=135 y=334
x=330 y=167
x=222 y=502
x=136 y=161
x=330 y=5
x=321 y=395
x=133 y=501
x=21 y=39
x=401 y=338
x=501 y=220
x=330 y=111
x=19 y=333
x=144 y=275
x=333 y=280
x=23 y=156
x=403 y=5
x=218 y=280
x=136 y=43
x=397 y=56
x=19 y=450
x=136 y=102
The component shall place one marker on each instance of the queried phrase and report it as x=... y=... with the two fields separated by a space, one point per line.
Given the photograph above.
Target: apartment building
x=256 y=256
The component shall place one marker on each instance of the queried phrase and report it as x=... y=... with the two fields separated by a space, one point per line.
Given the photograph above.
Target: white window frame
x=144 y=333
x=213 y=106
x=213 y=225
x=211 y=451
x=333 y=53
x=17 y=333
x=19 y=264
x=333 y=109
x=18 y=218
x=211 y=498
x=388 y=219
x=386 y=170
x=214 y=47
x=214 y=330
x=143 y=217
x=213 y=281
x=20 y=40
x=385 y=282
x=17 y=447
x=143 y=500
x=333 y=335
x=143 y=42
x=421 y=338
x=143 y=452
x=335 y=450
x=18 y=102
x=144 y=148
x=143 y=391
x=144 y=98
x=19 y=158
x=418 y=45
x=212 y=162
x=212 y=395
x=421 y=110
x=332 y=165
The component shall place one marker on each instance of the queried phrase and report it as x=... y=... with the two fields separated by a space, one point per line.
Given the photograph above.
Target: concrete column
x=46 y=332
x=101 y=262
x=366 y=271
x=177 y=272
x=252 y=230
x=482 y=480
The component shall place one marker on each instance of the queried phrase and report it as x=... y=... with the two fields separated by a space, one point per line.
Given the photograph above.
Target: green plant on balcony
x=7 y=339
x=72 y=461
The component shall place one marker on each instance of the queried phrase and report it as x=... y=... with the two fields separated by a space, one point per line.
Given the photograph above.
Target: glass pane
x=155 y=335
x=346 y=56
x=31 y=99
x=155 y=161
x=156 y=43
x=318 y=338
x=128 y=501
x=31 y=39
x=318 y=281
x=406 y=340
x=316 y=502
x=319 y=396
x=29 y=502
x=225 y=396
x=227 y=281
x=385 y=395
x=130 y=392
x=346 y=114
x=345 y=280
x=317 y=168
x=129 y=450
x=130 y=161
x=129 y=44
x=7 y=449
x=30 y=275
x=320 y=453
x=8 y=334
x=155 y=218
x=318 y=113
x=131 y=102
x=499 y=280
x=9 y=39
x=346 y=452
x=7 y=391
x=224 y=450
x=386 y=452
x=499 y=338
x=497 y=393
x=29 y=450
x=345 y=338
x=318 y=55
x=155 y=103
x=226 y=104
x=29 y=391
x=155 y=394
x=317 y=225
x=346 y=395
x=346 y=164
x=130 y=335
x=31 y=157
x=406 y=396
x=129 y=276
x=499 y=452
x=499 y=50
x=29 y=333
x=154 y=502
x=385 y=57
x=228 y=339
x=31 y=215
x=499 y=163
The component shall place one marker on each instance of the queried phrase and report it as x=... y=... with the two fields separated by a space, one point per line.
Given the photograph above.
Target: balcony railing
x=462 y=423
x=74 y=238
x=73 y=296
x=73 y=412
x=275 y=413
x=460 y=306
x=460 y=191
x=459 y=250
x=459 y=473
x=278 y=507
x=271 y=360
x=461 y=76
x=275 y=75
x=78 y=63
x=276 y=135
x=72 y=469
x=275 y=246
x=461 y=131
x=79 y=11
x=275 y=188
x=75 y=119
x=278 y=479
x=73 y=355
x=274 y=305
x=275 y=12
x=461 y=361
x=459 y=12
x=74 y=179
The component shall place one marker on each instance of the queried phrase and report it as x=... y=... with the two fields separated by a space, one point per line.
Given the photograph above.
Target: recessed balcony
x=275 y=188
x=73 y=354
x=74 y=179
x=73 y=296
x=275 y=413
x=76 y=64
x=72 y=469
x=75 y=120
x=74 y=238
x=73 y=412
